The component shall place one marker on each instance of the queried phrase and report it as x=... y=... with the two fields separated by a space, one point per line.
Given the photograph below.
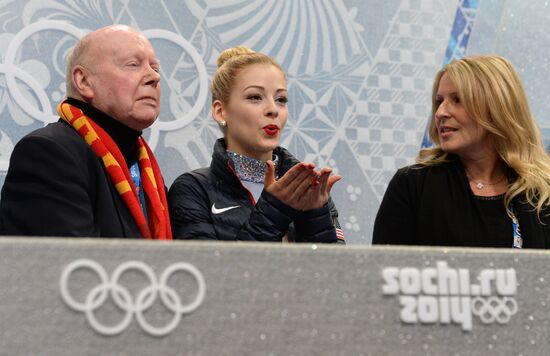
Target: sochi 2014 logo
x=446 y=295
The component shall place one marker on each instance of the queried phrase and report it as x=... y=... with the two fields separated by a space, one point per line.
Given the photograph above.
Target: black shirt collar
x=124 y=137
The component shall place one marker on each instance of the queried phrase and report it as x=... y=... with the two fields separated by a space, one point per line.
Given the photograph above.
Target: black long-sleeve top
x=435 y=206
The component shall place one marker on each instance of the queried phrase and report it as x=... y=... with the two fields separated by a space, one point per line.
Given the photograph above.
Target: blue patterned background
x=360 y=73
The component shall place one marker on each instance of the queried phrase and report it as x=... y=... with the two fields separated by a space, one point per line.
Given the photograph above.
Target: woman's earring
x=223 y=123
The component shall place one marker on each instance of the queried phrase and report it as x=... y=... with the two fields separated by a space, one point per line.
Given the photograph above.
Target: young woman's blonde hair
x=230 y=62
x=493 y=95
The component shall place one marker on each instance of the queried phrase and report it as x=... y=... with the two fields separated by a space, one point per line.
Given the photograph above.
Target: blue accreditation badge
x=136 y=179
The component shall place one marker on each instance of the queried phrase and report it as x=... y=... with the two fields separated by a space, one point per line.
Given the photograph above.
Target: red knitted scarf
x=105 y=148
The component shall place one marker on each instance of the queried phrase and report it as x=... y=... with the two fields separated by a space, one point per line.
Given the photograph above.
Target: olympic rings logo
x=123 y=299
x=494 y=309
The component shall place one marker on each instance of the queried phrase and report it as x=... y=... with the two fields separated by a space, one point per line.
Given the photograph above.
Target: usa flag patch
x=340 y=234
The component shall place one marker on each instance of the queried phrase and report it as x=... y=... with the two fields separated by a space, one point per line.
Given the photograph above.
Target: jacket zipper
x=241 y=183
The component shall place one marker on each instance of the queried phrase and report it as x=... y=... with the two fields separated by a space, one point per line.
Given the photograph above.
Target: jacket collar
x=222 y=165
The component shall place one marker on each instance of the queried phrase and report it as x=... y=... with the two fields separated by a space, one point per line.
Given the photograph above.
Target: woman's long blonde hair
x=493 y=95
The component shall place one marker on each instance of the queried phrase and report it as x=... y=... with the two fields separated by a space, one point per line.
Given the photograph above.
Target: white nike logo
x=216 y=211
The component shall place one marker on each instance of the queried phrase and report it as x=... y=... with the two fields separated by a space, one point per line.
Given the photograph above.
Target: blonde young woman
x=486 y=182
x=253 y=189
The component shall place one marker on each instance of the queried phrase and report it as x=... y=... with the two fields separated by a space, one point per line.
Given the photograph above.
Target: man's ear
x=81 y=82
x=218 y=111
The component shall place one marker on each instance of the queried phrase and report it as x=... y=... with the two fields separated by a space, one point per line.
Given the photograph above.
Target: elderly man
x=91 y=173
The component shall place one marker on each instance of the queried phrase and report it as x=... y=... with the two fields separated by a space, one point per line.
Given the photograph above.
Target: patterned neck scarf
x=158 y=226
x=250 y=169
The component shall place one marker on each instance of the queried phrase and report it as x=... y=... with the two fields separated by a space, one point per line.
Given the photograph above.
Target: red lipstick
x=271 y=130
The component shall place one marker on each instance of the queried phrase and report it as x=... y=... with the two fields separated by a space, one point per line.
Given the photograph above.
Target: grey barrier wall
x=90 y=297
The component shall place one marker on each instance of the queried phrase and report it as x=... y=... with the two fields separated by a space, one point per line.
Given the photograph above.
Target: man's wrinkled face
x=125 y=77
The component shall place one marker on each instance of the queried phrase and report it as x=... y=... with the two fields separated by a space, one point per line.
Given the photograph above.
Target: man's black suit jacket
x=57 y=186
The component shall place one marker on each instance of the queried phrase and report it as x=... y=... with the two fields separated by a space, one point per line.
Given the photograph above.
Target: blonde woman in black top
x=487 y=180
x=253 y=190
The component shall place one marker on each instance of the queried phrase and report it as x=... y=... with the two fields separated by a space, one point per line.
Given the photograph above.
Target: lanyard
x=518 y=240
x=136 y=178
